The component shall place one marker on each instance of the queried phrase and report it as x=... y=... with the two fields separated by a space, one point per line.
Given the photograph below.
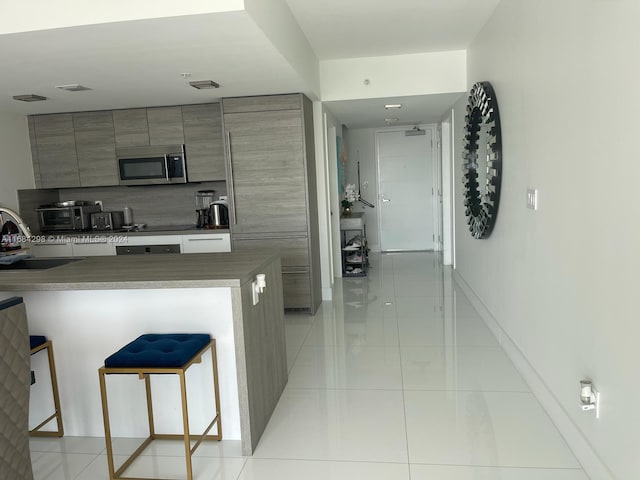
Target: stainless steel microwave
x=153 y=165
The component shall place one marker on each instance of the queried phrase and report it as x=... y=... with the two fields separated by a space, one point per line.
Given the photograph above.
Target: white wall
x=16 y=169
x=393 y=76
x=281 y=28
x=562 y=282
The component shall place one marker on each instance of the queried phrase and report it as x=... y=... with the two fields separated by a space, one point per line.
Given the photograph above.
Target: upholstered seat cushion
x=36 y=340
x=170 y=350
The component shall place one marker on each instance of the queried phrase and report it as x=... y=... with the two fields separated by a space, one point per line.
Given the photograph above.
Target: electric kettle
x=219 y=215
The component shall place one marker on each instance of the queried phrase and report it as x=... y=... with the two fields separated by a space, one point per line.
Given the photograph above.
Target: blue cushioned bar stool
x=39 y=343
x=161 y=354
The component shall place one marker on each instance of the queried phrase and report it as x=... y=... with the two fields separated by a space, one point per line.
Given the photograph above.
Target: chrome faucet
x=19 y=222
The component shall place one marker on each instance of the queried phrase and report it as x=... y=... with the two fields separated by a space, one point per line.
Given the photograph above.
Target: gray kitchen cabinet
x=78 y=149
x=55 y=157
x=293 y=251
x=95 y=147
x=165 y=126
x=266 y=171
x=272 y=187
x=204 y=146
x=131 y=127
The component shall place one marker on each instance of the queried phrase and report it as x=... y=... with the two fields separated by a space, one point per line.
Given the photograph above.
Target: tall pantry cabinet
x=272 y=187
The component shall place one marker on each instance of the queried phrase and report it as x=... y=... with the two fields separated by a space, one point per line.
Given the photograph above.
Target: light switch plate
x=532 y=198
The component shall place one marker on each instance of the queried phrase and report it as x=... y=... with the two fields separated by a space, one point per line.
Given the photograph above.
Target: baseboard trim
x=578 y=443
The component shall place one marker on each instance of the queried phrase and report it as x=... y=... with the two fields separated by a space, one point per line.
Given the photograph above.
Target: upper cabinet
x=79 y=149
x=165 y=126
x=95 y=148
x=55 y=155
x=131 y=127
x=203 y=142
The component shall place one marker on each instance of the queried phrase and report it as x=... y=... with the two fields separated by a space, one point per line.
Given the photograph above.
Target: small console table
x=353 y=238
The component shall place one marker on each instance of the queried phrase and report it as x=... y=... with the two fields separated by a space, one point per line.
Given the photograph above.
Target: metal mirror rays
x=482 y=167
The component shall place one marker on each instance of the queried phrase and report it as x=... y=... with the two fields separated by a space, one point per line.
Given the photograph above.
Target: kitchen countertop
x=151 y=230
x=195 y=270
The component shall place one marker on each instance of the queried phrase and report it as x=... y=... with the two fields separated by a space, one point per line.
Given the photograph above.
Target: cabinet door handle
x=233 y=188
x=202 y=239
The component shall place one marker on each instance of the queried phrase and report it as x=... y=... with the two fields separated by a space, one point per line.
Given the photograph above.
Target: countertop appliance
x=75 y=216
x=107 y=220
x=219 y=215
x=152 y=165
x=204 y=199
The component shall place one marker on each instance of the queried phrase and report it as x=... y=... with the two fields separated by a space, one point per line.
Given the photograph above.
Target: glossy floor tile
x=440 y=472
x=260 y=469
x=59 y=466
x=397 y=378
x=483 y=429
x=459 y=368
x=356 y=425
x=350 y=367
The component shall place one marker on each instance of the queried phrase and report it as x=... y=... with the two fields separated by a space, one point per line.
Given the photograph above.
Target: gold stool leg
x=57 y=414
x=216 y=389
x=185 y=426
x=107 y=428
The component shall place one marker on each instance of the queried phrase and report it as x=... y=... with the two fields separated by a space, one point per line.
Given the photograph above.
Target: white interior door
x=405 y=186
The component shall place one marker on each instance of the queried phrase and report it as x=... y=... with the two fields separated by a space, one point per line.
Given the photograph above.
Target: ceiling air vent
x=204 y=84
x=29 y=98
x=73 y=87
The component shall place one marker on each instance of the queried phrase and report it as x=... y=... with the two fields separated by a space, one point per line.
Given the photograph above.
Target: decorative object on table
x=350 y=197
x=482 y=165
x=9 y=239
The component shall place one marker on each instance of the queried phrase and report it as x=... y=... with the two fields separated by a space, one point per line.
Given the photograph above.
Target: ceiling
x=139 y=63
x=371 y=113
x=366 y=28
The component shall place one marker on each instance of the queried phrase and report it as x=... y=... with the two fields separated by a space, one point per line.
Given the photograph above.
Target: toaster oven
x=53 y=218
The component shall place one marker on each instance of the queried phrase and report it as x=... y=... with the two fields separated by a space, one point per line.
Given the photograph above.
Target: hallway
x=397 y=378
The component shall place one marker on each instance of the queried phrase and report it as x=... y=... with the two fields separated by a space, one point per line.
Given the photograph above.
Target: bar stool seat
x=37 y=344
x=161 y=354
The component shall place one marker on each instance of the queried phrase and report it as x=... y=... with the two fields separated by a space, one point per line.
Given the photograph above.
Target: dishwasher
x=147 y=249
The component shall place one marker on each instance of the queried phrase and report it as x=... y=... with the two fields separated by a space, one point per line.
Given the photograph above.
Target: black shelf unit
x=353 y=244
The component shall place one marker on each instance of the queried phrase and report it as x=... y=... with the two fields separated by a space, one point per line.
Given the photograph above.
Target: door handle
x=231 y=181
x=385 y=200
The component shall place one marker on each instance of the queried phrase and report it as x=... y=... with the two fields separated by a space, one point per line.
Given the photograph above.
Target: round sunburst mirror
x=482 y=165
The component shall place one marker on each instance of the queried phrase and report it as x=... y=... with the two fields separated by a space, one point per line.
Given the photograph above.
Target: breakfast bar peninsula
x=91 y=307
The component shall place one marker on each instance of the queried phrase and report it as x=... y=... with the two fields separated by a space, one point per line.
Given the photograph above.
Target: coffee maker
x=204 y=199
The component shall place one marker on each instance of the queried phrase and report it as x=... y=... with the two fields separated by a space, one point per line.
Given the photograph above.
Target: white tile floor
x=397 y=378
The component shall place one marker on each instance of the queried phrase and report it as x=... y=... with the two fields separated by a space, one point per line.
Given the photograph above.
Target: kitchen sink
x=38 y=263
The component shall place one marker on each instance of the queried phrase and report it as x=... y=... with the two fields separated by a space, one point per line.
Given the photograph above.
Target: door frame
x=432 y=127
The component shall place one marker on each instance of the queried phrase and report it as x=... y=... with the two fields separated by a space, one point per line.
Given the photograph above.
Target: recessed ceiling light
x=393 y=105
x=29 y=98
x=73 y=87
x=391 y=119
x=204 y=84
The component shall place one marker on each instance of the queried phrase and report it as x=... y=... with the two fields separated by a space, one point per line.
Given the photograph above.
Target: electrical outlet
x=532 y=198
x=255 y=290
